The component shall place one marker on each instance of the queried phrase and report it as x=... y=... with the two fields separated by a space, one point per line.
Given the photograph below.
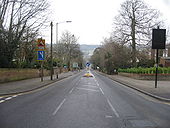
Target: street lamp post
x=57 y=34
x=57 y=29
x=51 y=50
x=51 y=24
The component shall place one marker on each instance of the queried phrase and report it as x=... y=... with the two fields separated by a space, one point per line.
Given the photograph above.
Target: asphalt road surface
x=84 y=102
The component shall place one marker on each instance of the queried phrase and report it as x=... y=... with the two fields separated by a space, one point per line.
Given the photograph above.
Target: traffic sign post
x=40 y=44
x=87 y=64
x=41 y=54
x=158 y=42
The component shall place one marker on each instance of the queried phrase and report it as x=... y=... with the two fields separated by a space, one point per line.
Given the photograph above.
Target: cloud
x=167 y=2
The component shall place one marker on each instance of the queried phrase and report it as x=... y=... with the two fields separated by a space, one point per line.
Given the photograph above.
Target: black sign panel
x=158 y=38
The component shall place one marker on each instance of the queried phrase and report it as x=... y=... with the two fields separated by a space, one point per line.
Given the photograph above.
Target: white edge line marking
x=88 y=89
x=59 y=107
x=97 y=82
x=71 y=90
x=113 y=109
x=14 y=96
x=1 y=101
x=102 y=91
x=8 y=98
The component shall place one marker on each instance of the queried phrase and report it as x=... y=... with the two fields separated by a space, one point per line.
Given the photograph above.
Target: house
x=164 y=56
x=165 y=59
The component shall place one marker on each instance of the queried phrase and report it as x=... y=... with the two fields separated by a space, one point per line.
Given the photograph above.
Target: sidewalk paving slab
x=27 y=85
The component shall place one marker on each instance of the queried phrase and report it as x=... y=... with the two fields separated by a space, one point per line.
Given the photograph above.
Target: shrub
x=140 y=70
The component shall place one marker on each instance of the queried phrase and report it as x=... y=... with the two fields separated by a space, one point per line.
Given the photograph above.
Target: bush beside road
x=140 y=70
x=146 y=73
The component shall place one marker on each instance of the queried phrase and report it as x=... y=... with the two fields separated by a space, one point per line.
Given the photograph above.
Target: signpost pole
x=158 y=42
x=42 y=73
x=41 y=55
x=156 y=75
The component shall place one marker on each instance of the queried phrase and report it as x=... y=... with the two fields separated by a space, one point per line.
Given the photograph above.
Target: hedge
x=140 y=70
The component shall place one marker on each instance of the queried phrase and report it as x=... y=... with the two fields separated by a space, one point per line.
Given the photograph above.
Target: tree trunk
x=152 y=54
x=134 y=64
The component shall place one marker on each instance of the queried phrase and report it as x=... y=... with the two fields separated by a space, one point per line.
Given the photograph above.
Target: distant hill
x=88 y=50
x=85 y=47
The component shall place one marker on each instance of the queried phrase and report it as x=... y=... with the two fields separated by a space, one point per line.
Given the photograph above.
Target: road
x=84 y=102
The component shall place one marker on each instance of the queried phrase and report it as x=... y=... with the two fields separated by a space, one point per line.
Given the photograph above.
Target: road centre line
x=113 y=109
x=107 y=116
x=60 y=105
x=87 y=89
x=90 y=86
x=74 y=87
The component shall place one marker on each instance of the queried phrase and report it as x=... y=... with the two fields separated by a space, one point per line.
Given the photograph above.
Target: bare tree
x=134 y=23
x=69 y=49
x=110 y=56
x=16 y=17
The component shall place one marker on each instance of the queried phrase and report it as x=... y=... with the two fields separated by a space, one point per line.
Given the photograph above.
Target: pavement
x=11 y=88
x=162 y=92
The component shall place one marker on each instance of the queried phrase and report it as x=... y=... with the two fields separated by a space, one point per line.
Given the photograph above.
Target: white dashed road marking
x=107 y=116
x=71 y=91
x=102 y=91
x=59 y=107
x=88 y=89
x=113 y=109
x=90 y=86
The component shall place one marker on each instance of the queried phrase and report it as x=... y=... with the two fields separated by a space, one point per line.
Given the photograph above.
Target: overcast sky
x=92 y=19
